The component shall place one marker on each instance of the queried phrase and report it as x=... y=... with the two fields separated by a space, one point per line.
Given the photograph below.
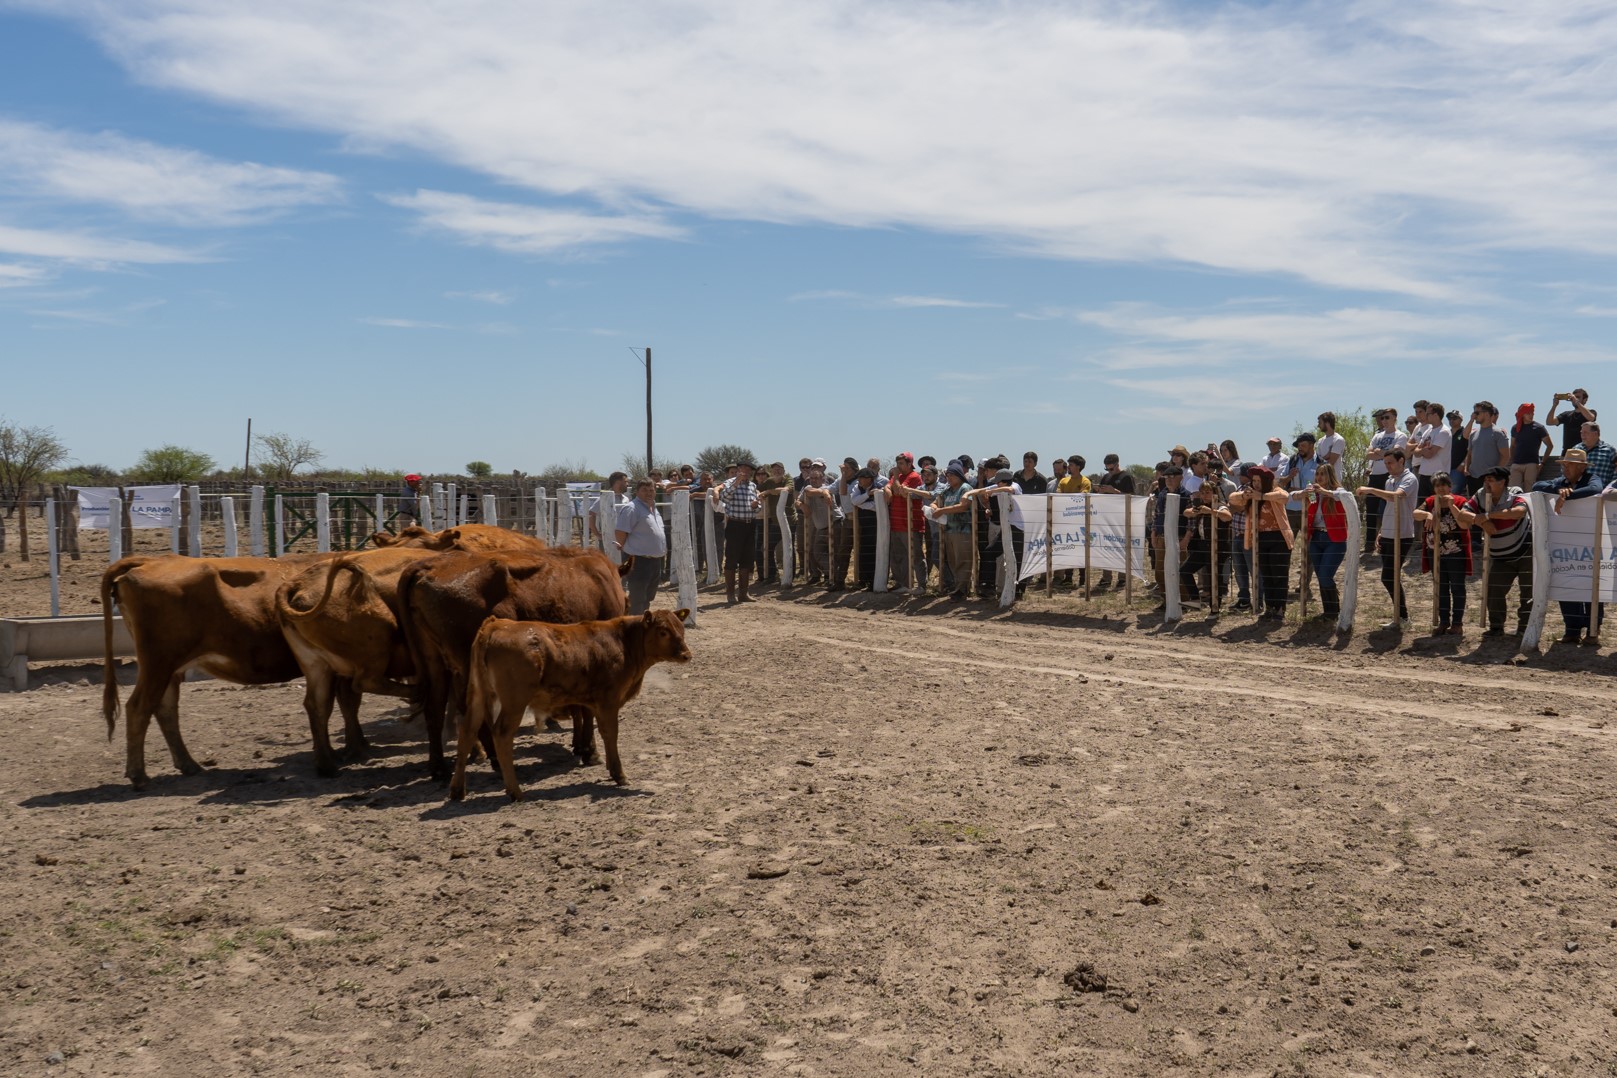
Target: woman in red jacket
x=1326 y=528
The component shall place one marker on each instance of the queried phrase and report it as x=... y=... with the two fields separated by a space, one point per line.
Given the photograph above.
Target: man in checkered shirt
x=739 y=502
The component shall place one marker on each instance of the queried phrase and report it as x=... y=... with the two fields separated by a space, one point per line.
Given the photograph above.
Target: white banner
x=1570 y=538
x=149 y=507
x=1116 y=543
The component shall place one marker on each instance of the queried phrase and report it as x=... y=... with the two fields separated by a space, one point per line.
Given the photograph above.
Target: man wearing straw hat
x=1575 y=482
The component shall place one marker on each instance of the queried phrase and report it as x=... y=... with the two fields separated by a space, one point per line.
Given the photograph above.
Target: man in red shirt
x=909 y=526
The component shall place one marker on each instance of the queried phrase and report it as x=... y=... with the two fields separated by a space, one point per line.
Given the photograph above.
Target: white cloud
x=150 y=181
x=115 y=316
x=17 y=275
x=522 y=229
x=864 y=300
x=1373 y=145
x=404 y=323
x=88 y=249
x=500 y=298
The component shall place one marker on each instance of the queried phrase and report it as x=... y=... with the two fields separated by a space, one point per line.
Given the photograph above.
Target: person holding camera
x=1571 y=421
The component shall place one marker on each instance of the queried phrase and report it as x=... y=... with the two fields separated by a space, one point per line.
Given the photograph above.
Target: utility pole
x=247 y=458
x=649 y=464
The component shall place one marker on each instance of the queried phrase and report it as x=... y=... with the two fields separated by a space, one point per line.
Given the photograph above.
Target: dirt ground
x=864 y=837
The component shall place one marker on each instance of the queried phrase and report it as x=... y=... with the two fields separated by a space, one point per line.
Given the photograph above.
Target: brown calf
x=593 y=664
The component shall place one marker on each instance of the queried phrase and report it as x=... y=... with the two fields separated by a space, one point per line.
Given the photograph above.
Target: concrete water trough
x=26 y=640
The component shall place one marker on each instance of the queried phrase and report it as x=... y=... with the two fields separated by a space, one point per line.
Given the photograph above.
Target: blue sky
x=422 y=234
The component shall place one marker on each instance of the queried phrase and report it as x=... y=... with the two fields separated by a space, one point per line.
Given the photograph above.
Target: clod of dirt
x=1032 y=759
x=1428 y=951
x=1548 y=711
x=767 y=872
x=1102 y=885
x=1085 y=978
x=1149 y=899
x=55 y=1057
x=44 y=859
x=804 y=763
x=572 y=910
x=1571 y=946
x=1354 y=945
x=1131 y=1005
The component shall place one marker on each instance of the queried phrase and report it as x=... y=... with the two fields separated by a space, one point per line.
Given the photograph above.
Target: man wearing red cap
x=909 y=523
x=1530 y=448
x=410 y=501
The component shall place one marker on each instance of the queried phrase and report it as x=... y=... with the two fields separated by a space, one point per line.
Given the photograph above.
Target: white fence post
x=425 y=512
x=440 y=514
x=786 y=548
x=684 y=554
x=381 y=515
x=280 y=528
x=227 y=512
x=1007 y=548
x=541 y=518
x=322 y=522
x=460 y=510
x=115 y=531
x=710 y=537
x=606 y=519
x=451 y=506
x=51 y=552
x=174 y=524
x=255 y=522
x=884 y=539
x=491 y=511
x=195 y=536
x=1350 y=579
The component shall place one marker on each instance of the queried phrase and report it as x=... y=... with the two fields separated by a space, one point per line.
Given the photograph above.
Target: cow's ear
x=682 y=614
x=647 y=618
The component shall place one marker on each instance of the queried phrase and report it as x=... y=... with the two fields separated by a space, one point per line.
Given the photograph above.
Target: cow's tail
x=109 y=671
x=407 y=626
x=283 y=600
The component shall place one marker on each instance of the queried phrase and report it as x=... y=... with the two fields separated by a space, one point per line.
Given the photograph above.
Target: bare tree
x=284 y=455
x=26 y=453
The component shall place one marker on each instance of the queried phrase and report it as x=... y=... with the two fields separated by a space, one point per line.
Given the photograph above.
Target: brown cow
x=340 y=619
x=212 y=614
x=595 y=664
x=483 y=537
x=444 y=601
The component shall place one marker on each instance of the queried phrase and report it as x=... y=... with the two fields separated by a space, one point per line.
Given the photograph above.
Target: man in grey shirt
x=1489 y=447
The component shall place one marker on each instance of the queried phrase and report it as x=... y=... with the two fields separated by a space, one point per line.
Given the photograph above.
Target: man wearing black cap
x=1298 y=476
x=1503 y=519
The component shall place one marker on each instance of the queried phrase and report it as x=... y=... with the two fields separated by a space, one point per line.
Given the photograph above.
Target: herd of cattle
x=455 y=620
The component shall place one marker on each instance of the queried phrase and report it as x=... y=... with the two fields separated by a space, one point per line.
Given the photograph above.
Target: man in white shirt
x=1432 y=454
x=639 y=534
x=617 y=483
x=1397 y=533
x=1331 y=446
x=1276 y=460
x=1386 y=438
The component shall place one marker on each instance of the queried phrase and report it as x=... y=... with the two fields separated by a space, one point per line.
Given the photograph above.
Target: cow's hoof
x=353 y=754
x=327 y=771
x=190 y=767
x=620 y=780
x=438 y=774
x=515 y=795
x=457 y=793
x=138 y=781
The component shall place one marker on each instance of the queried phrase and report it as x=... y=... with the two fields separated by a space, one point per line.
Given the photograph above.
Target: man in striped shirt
x=1501 y=513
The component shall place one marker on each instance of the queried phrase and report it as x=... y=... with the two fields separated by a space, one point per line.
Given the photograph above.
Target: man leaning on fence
x=1500 y=512
x=1576 y=482
x=820 y=512
x=640 y=535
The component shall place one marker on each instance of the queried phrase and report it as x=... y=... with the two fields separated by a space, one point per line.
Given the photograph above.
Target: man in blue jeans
x=1575 y=482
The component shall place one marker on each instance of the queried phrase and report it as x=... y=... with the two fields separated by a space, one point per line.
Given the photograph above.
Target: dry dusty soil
x=869 y=837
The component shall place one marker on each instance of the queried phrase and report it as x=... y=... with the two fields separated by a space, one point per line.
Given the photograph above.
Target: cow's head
x=665 y=635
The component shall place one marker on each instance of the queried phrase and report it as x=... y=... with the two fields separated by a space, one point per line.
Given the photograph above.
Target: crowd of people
x=1451 y=486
